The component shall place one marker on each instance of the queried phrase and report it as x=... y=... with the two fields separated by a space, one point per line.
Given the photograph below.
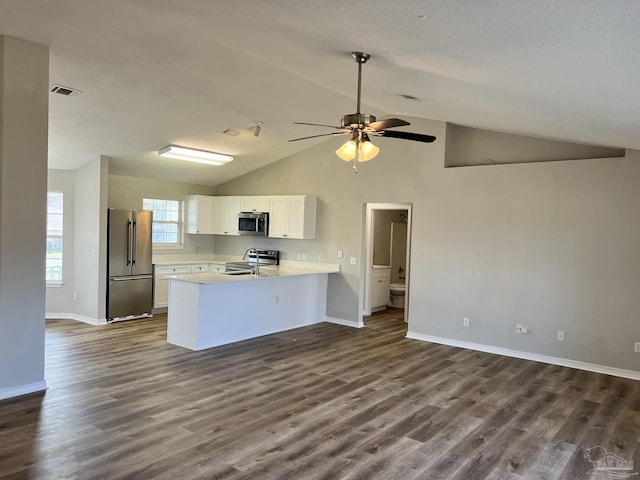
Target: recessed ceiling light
x=192 y=155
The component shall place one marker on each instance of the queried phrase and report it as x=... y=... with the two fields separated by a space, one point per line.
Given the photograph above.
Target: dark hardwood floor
x=320 y=402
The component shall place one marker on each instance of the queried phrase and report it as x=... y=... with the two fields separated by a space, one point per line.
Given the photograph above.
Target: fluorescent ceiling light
x=197 y=156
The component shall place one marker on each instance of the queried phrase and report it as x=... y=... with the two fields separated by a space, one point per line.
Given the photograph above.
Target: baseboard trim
x=78 y=317
x=22 y=390
x=563 y=362
x=346 y=323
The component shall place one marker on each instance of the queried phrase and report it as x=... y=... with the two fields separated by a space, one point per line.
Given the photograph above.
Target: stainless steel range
x=256 y=258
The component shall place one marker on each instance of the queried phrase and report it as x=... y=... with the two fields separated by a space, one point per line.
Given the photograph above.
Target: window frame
x=60 y=236
x=180 y=222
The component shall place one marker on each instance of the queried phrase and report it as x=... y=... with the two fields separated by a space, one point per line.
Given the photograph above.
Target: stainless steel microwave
x=253 y=223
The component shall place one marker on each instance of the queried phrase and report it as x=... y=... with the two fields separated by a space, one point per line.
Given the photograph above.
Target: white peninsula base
x=210 y=310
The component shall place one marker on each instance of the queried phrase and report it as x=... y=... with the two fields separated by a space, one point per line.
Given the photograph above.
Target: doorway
x=387 y=249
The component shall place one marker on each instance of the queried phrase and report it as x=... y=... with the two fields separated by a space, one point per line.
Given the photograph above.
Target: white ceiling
x=158 y=72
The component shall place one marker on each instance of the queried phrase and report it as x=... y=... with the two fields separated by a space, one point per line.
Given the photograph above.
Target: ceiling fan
x=361 y=125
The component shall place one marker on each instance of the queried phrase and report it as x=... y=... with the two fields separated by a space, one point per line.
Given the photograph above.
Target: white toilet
x=397 y=294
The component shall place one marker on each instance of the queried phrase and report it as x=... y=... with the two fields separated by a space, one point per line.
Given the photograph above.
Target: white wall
x=128 y=192
x=90 y=239
x=549 y=245
x=24 y=73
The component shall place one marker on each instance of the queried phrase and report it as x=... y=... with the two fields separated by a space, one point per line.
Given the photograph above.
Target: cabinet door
x=248 y=204
x=379 y=290
x=278 y=217
x=262 y=204
x=161 y=284
x=295 y=224
x=199 y=214
x=161 y=293
x=233 y=209
x=221 y=216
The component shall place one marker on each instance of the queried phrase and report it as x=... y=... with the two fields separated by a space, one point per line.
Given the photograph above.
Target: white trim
x=78 y=317
x=23 y=390
x=367 y=264
x=563 y=362
x=346 y=323
x=54 y=284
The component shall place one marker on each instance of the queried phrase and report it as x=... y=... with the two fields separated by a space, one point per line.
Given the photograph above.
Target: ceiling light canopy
x=197 y=156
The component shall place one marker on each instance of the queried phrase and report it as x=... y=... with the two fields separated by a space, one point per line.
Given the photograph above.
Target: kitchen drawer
x=201 y=268
x=164 y=272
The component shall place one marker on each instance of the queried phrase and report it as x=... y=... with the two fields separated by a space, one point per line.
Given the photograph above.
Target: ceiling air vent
x=66 y=91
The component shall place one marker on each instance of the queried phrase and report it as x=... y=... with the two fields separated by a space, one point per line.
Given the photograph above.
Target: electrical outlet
x=560 y=335
x=298 y=256
x=465 y=321
x=75 y=296
x=521 y=330
x=320 y=258
x=637 y=350
x=353 y=260
x=339 y=253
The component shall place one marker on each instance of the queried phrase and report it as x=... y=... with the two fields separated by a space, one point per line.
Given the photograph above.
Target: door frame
x=368 y=258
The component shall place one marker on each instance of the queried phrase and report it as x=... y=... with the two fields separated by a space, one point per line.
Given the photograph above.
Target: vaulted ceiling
x=158 y=72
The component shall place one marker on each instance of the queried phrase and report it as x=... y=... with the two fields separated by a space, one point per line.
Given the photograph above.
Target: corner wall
x=24 y=102
x=90 y=240
x=550 y=245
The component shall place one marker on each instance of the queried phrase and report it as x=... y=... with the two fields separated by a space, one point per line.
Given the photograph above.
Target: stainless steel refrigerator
x=129 y=267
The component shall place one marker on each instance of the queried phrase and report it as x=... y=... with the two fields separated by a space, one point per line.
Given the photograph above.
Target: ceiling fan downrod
x=358 y=120
x=360 y=58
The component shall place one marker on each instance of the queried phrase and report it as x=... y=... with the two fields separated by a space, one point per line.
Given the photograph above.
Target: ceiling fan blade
x=317 y=125
x=388 y=123
x=418 y=137
x=321 y=135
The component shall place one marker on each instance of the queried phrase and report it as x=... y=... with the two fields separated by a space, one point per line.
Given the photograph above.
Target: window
x=167 y=222
x=54 y=237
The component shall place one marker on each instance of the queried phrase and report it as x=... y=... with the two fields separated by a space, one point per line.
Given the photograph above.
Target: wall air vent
x=66 y=91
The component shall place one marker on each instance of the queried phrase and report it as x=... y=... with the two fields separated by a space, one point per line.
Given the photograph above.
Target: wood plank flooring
x=320 y=402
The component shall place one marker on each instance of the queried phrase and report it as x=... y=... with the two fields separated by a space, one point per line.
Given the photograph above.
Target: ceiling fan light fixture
x=192 y=155
x=367 y=150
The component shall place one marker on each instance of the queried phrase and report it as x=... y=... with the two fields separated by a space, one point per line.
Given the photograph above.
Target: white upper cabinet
x=292 y=216
x=254 y=204
x=225 y=215
x=199 y=214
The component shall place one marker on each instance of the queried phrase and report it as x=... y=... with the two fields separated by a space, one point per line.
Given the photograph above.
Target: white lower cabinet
x=379 y=291
x=161 y=283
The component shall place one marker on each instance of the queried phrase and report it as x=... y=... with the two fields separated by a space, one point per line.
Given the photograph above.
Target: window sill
x=54 y=284
x=167 y=247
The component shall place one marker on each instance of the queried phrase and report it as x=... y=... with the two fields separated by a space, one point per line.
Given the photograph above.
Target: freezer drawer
x=129 y=296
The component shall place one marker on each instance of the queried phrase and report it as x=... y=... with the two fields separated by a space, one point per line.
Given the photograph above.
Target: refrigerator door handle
x=129 y=278
x=134 y=243
x=129 y=243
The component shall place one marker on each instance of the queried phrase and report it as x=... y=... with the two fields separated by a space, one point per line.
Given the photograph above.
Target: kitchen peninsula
x=211 y=309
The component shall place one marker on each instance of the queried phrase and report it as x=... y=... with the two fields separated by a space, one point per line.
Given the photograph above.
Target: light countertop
x=286 y=269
